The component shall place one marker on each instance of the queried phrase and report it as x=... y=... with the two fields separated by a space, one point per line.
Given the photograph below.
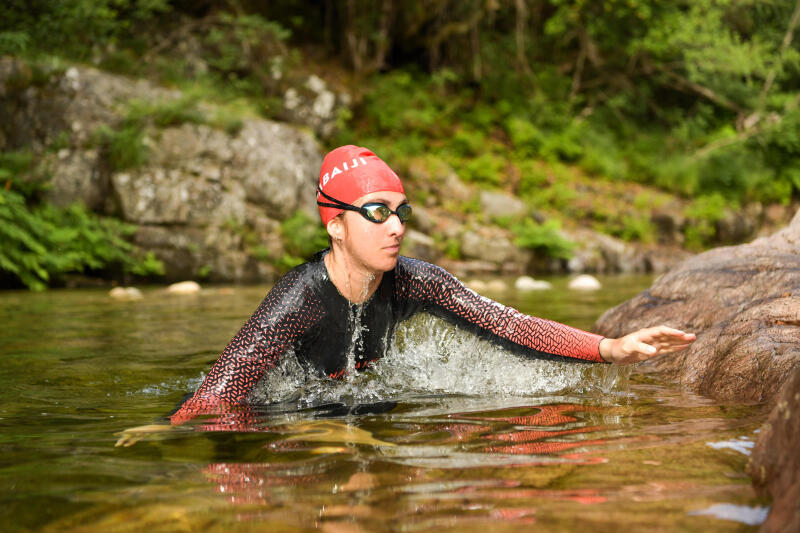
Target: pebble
x=125 y=293
x=527 y=283
x=184 y=287
x=584 y=282
x=476 y=285
x=497 y=285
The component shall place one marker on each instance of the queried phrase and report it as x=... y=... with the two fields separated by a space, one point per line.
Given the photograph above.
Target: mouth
x=393 y=249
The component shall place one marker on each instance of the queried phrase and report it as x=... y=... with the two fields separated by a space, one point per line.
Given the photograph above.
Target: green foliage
x=42 y=243
x=71 y=26
x=487 y=169
x=16 y=169
x=543 y=238
x=124 y=147
x=703 y=215
x=303 y=236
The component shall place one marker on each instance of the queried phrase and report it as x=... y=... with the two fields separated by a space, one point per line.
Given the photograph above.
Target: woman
x=347 y=300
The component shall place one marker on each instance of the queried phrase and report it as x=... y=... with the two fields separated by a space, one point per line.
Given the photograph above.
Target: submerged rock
x=125 y=293
x=527 y=283
x=184 y=287
x=496 y=285
x=584 y=282
x=775 y=463
x=476 y=285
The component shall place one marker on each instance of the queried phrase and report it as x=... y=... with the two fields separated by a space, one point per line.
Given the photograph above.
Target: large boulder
x=744 y=304
x=775 y=463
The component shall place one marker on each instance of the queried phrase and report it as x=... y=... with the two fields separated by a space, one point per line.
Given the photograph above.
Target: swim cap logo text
x=330 y=175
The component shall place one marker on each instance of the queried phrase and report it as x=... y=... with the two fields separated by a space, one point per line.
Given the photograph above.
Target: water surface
x=447 y=433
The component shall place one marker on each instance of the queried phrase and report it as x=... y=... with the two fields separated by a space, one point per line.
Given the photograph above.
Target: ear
x=336 y=228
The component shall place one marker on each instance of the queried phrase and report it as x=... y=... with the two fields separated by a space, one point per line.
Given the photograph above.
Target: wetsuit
x=305 y=313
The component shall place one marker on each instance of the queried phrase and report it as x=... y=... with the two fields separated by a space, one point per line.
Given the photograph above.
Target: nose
x=394 y=226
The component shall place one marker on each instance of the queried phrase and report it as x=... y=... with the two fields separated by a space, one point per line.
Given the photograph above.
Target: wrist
x=605 y=349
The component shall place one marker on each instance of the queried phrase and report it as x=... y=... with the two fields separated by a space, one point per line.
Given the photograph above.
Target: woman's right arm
x=286 y=313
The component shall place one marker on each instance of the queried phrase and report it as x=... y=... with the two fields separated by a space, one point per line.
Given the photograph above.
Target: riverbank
x=210 y=191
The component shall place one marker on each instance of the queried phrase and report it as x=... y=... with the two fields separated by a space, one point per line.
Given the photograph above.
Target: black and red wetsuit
x=305 y=313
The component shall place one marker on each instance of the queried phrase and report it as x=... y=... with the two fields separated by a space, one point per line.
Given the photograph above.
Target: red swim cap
x=350 y=172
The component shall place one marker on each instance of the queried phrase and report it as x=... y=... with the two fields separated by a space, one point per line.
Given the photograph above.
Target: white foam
x=752 y=516
x=742 y=445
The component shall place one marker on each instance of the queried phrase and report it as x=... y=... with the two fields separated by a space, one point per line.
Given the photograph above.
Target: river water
x=447 y=433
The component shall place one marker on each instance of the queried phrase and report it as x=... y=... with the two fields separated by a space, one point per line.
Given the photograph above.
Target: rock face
x=744 y=304
x=775 y=463
x=207 y=202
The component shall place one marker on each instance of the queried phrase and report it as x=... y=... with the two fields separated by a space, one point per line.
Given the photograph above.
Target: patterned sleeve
x=287 y=312
x=430 y=288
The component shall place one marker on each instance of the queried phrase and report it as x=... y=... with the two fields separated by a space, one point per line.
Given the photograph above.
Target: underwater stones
x=775 y=462
x=527 y=283
x=184 y=287
x=125 y=293
x=584 y=282
x=743 y=302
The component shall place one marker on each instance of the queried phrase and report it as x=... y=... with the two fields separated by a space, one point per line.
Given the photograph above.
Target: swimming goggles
x=373 y=211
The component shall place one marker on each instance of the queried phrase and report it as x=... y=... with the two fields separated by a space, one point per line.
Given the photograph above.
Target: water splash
x=430 y=356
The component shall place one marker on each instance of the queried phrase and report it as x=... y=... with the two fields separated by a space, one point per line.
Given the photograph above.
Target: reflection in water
x=446 y=433
x=543 y=432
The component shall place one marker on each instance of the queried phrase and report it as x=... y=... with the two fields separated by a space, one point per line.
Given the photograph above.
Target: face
x=374 y=246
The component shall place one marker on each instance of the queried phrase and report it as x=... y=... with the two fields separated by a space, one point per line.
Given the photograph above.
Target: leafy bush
x=42 y=243
x=303 y=236
x=543 y=238
x=703 y=215
x=124 y=147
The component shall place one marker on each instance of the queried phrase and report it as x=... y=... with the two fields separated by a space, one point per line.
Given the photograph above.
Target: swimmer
x=364 y=208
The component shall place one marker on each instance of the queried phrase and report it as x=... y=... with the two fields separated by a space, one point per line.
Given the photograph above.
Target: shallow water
x=447 y=433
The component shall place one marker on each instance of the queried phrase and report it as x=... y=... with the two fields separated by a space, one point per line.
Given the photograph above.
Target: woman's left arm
x=645 y=344
x=435 y=290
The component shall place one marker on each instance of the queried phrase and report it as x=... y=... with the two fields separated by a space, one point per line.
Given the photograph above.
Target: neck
x=353 y=280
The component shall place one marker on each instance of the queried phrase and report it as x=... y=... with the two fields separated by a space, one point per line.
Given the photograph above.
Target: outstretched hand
x=644 y=344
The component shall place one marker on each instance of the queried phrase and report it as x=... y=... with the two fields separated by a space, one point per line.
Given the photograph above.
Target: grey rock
x=158 y=195
x=315 y=105
x=419 y=245
x=501 y=205
x=494 y=247
x=278 y=166
x=76 y=177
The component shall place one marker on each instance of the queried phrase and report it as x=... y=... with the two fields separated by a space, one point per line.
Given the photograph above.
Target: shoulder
x=411 y=272
x=300 y=283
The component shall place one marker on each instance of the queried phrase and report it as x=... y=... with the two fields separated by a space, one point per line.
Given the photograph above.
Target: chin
x=388 y=264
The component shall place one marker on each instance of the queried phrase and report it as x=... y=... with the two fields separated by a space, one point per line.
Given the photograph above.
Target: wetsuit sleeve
x=427 y=287
x=286 y=313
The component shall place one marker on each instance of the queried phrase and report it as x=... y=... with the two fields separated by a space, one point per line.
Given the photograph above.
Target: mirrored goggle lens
x=404 y=212
x=381 y=212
